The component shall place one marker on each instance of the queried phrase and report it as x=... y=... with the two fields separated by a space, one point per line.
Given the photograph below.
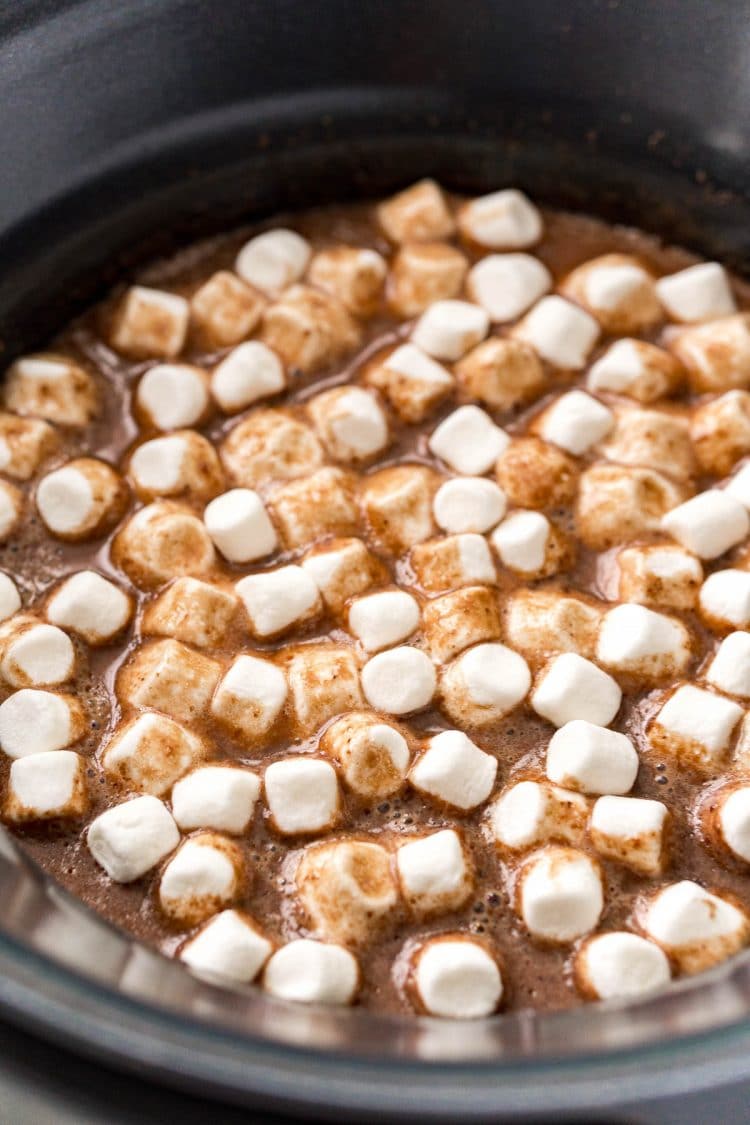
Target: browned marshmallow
x=434 y=873
x=350 y=422
x=323 y=682
x=531 y=813
x=660 y=574
x=198 y=613
x=150 y=753
x=352 y=274
x=347 y=889
x=33 y=654
x=82 y=499
x=501 y=373
x=162 y=541
x=616 y=503
x=531 y=545
x=720 y=430
x=422 y=273
x=695 y=726
x=413 y=382
x=455 y=560
x=420 y=213
x=11 y=507
x=46 y=786
x=534 y=474
x=546 y=622
x=317 y=506
x=631 y=831
x=269 y=445
x=483 y=685
x=180 y=465
x=457 y=620
x=398 y=505
x=25 y=443
x=618 y=290
x=225 y=309
x=695 y=928
x=655 y=439
x=716 y=355
x=636 y=369
x=51 y=386
x=91 y=606
x=308 y=329
x=206 y=874
x=249 y=698
x=341 y=569
x=150 y=323
x=373 y=756
x=170 y=677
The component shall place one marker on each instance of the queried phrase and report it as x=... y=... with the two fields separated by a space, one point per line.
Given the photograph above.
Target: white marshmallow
x=34 y=722
x=620 y=965
x=636 y=369
x=575 y=422
x=630 y=830
x=724 y=599
x=150 y=322
x=591 y=759
x=173 y=396
x=381 y=620
x=250 y=372
x=455 y=560
x=129 y=839
x=457 y=979
x=695 y=724
x=412 y=381
x=573 y=688
x=449 y=329
x=204 y=875
x=46 y=786
x=150 y=753
x=373 y=756
x=273 y=260
x=454 y=770
x=561 y=333
x=302 y=795
x=699 y=292
x=708 y=524
x=739 y=486
x=10 y=599
x=560 y=894
x=468 y=441
x=399 y=681
x=506 y=285
x=249 y=697
x=278 y=599
x=532 y=813
x=36 y=655
x=239 y=526
x=502 y=220
x=734 y=822
x=469 y=504
x=229 y=947
x=521 y=541
x=217 y=797
x=695 y=928
x=312 y=972
x=350 y=422
x=340 y=570
x=638 y=641
x=434 y=875
x=729 y=670
x=91 y=606
x=484 y=684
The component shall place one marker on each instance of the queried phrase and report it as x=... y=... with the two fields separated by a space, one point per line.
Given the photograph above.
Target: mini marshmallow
x=454 y=770
x=278 y=599
x=501 y=372
x=353 y=274
x=197 y=613
x=149 y=323
x=413 y=383
x=720 y=432
x=323 y=682
x=173 y=396
x=534 y=474
x=699 y=292
x=269 y=445
x=129 y=839
x=341 y=569
x=10 y=599
x=571 y=687
x=575 y=422
x=169 y=677
x=383 y=619
x=317 y=506
x=34 y=654
x=239 y=526
x=218 y=797
x=205 y=874
x=708 y=524
x=462 y=618
x=695 y=726
x=468 y=441
x=739 y=485
x=591 y=759
x=150 y=753
x=229 y=947
x=46 y=786
x=637 y=641
x=182 y=464
x=562 y=333
x=631 y=831
x=91 y=606
x=529 y=544
x=617 y=503
x=619 y=965
x=456 y=560
x=399 y=681
x=50 y=386
x=249 y=697
x=273 y=260
x=373 y=756
x=249 y=373
x=398 y=502
x=617 y=290
x=302 y=795
x=502 y=220
x=448 y=329
x=734 y=822
x=724 y=599
x=729 y=671
x=347 y=889
x=654 y=438
x=659 y=575
x=24 y=444
x=544 y=622
x=716 y=355
x=81 y=500
x=350 y=422
x=225 y=309
x=422 y=273
x=434 y=874
x=560 y=894
x=469 y=504
x=312 y=972
x=309 y=329
x=532 y=813
x=420 y=213
x=484 y=684
x=162 y=541
x=36 y=722
x=636 y=369
x=506 y=285
x=696 y=929
x=456 y=978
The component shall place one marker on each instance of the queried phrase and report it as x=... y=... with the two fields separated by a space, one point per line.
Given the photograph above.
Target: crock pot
x=127 y=127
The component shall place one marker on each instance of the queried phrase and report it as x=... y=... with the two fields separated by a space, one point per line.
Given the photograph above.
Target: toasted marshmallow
x=506 y=285
x=739 y=485
x=46 y=786
x=413 y=383
x=35 y=722
x=278 y=600
x=619 y=965
x=10 y=599
x=724 y=600
x=352 y=274
x=695 y=726
x=81 y=500
x=373 y=756
x=708 y=524
x=249 y=373
x=434 y=874
x=182 y=464
x=312 y=972
x=534 y=474
x=309 y=329
x=560 y=894
x=456 y=560
x=561 y=333
x=630 y=831
x=239 y=526
x=323 y=682
x=162 y=541
x=617 y=503
x=591 y=759
x=529 y=544
x=454 y=770
x=639 y=642
x=729 y=670
x=422 y=273
x=219 y=797
x=150 y=323
x=35 y=655
x=420 y=213
x=320 y=505
x=24 y=444
x=52 y=387
x=484 y=684
x=340 y=570
x=230 y=947
x=129 y=839
x=468 y=441
x=457 y=620
x=720 y=432
x=398 y=504
x=571 y=687
x=575 y=422
x=502 y=220
x=733 y=821
x=399 y=681
x=150 y=753
x=350 y=422
x=448 y=329
x=273 y=260
x=91 y=606
x=501 y=372
x=659 y=575
x=617 y=290
x=543 y=623
x=225 y=309
x=383 y=619
x=716 y=355
x=531 y=813
x=173 y=396
x=197 y=613
x=636 y=369
x=654 y=438
x=249 y=697
x=347 y=888
x=205 y=874
x=169 y=677
x=699 y=292
x=302 y=795
x=269 y=445
x=469 y=504
x=696 y=929
x=456 y=978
